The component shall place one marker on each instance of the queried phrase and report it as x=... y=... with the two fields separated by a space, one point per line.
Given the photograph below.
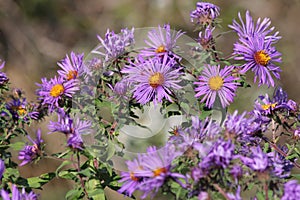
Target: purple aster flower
x=241 y=127
x=31 y=152
x=282 y=102
x=260 y=57
x=206 y=39
x=72 y=128
x=215 y=83
x=249 y=29
x=291 y=190
x=150 y=171
x=203 y=196
x=19 y=108
x=132 y=179
x=194 y=135
x=258 y=160
x=2 y=168
x=114 y=45
x=16 y=195
x=162 y=41
x=281 y=166
x=153 y=80
x=236 y=171
x=3 y=77
x=221 y=154
x=156 y=166
x=53 y=91
x=72 y=67
x=205 y=13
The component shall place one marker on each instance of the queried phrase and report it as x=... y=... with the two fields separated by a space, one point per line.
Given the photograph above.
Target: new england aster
x=153 y=79
x=215 y=83
x=161 y=41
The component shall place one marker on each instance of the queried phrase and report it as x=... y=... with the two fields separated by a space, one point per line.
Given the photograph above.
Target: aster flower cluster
x=107 y=103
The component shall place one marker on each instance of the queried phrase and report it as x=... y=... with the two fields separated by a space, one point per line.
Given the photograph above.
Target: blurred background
x=36 y=34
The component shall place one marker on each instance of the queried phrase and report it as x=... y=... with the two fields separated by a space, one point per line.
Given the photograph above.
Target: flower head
x=72 y=67
x=241 y=127
x=161 y=41
x=281 y=167
x=53 y=91
x=221 y=153
x=249 y=29
x=31 y=152
x=153 y=80
x=258 y=160
x=150 y=171
x=72 y=128
x=291 y=190
x=3 y=77
x=132 y=178
x=114 y=45
x=215 y=82
x=205 y=13
x=260 y=57
x=17 y=195
x=19 y=108
x=205 y=38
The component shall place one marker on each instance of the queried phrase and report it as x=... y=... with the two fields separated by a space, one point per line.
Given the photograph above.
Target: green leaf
x=38 y=182
x=74 y=194
x=17 y=146
x=67 y=175
x=260 y=196
x=111 y=149
x=66 y=162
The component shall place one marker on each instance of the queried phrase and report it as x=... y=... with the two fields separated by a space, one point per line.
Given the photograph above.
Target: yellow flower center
x=72 y=75
x=215 y=82
x=262 y=58
x=21 y=111
x=133 y=177
x=159 y=171
x=268 y=106
x=57 y=90
x=156 y=80
x=161 y=49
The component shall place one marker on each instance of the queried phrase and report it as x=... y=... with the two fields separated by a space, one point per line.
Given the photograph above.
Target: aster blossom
x=205 y=13
x=19 y=108
x=71 y=67
x=215 y=83
x=73 y=128
x=257 y=161
x=150 y=171
x=17 y=195
x=205 y=38
x=291 y=190
x=31 y=152
x=260 y=57
x=161 y=41
x=241 y=127
x=250 y=29
x=54 y=90
x=153 y=80
x=3 y=76
x=114 y=45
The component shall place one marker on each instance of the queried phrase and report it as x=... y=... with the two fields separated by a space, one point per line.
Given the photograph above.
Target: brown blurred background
x=35 y=34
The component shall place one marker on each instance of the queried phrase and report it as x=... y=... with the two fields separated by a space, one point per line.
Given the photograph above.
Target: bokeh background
x=36 y=34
